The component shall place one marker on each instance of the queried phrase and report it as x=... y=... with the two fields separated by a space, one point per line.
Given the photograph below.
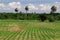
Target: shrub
x=57 y=17
x=51 y=19
x=43 y=18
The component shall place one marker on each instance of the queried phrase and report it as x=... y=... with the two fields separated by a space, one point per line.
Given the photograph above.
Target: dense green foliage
x=30 y=16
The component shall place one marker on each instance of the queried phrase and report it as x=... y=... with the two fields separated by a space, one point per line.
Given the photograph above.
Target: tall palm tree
x=53 y=9
x=16 y=10
x=26 y=8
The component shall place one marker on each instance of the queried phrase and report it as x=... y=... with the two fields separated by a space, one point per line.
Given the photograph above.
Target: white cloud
x=2 y=5
x=44 y=6
x=10 y=6
x=15 y=5
x=32 y=7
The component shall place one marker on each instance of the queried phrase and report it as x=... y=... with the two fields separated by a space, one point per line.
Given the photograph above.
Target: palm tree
x=53 y=9
x=26 y=8
x=16 y=10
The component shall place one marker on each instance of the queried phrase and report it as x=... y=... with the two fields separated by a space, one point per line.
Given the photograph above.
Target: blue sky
x=34 y=5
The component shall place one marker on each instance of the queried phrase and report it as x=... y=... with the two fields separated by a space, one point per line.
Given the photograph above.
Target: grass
x=29 y=30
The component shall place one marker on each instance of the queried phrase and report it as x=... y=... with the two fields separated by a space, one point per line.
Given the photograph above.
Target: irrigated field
x=29 y=30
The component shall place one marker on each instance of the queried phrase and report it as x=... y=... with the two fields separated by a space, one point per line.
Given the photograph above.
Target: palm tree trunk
x=26 y=15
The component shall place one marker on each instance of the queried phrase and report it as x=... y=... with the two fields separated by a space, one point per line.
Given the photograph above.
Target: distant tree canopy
x=31 y=16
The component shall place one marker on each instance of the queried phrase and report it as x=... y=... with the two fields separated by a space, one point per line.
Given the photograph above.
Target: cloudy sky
x=34 y=5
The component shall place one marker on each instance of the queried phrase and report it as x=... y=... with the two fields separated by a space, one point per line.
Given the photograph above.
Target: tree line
x=52 y=16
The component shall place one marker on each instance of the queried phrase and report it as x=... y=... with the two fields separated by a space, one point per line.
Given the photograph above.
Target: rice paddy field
x=29 y=30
